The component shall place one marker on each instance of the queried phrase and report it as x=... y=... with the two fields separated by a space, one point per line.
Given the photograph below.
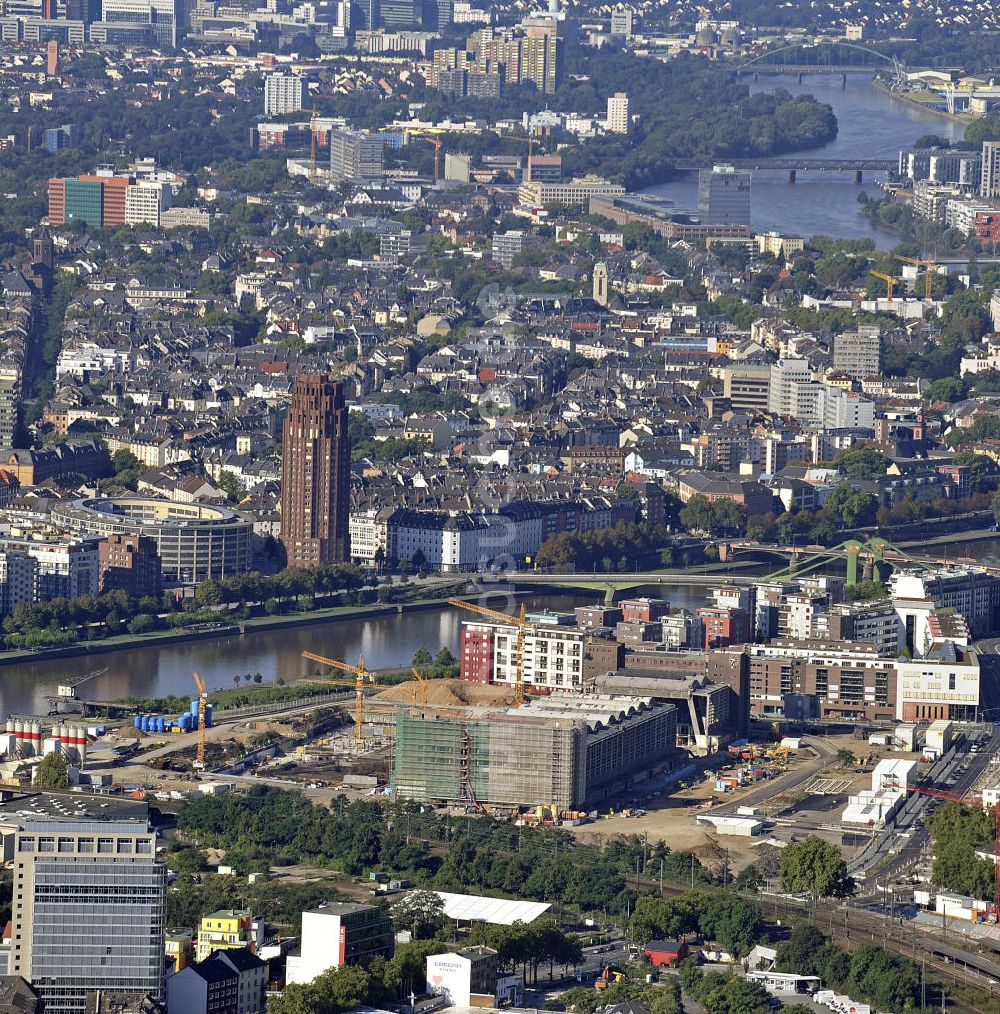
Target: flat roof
x=498 y=911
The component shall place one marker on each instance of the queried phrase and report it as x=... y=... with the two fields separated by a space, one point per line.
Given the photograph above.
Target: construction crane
x=928 y=267
x=522 y=626
x=890 y=280
x=202 y=708
x=312 y=148
x=437 y=156
x=362 y=678
x=423 y=686
x=952 y=797
x=67 y=691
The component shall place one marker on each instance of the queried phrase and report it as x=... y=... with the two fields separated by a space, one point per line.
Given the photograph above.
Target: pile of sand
x=447 y=693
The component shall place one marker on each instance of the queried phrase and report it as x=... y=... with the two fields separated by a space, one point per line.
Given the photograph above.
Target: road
x=789 y=781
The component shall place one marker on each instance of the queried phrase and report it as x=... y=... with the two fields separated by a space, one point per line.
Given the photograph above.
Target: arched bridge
x=822 y=58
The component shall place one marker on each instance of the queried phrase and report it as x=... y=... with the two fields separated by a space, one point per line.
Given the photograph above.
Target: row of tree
x=870 y=974
x=626 y=547
x=61 y=620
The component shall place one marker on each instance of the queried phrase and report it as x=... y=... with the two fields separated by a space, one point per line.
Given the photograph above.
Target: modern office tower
x=617 y=118
x=89 y=909
x=365 y=15
x=858 y=353
x=161 y=15
x=991 y=169
x=398 y=15
x=282 y=94
x=723 y=196
x=339 y=933
x=145 y=201
x=10 y=400
x=437 y=15
x=316 y=474
x=601 y=283
x=355 y=154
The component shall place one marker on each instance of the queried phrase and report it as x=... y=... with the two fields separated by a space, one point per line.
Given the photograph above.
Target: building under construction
x=566 y=753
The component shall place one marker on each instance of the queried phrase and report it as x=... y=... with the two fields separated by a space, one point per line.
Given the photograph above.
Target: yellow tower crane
x=437 y=155
x=928 y=267
x=890 y=280
x=362 y=678
x=202 y=702
x=522 y=626
x=312 y=148
x=422 y=685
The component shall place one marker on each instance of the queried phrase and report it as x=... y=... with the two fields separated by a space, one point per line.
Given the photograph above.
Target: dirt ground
x=671 y=818
x=446 y=693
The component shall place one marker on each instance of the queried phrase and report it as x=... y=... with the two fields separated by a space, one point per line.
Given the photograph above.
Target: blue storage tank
x=194 y=705
x=137 y=722
x=144 y=723
x=208 y=716
x=187 y=723
x=161 y=725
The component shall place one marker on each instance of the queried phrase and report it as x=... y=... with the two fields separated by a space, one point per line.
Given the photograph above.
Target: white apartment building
x=933 y=689
x=617 y=120
x=553 y=652
x=282 y=94
x=536 y=193
x=145 y=201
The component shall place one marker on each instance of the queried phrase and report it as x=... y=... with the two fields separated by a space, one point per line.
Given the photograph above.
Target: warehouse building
x=562 y=752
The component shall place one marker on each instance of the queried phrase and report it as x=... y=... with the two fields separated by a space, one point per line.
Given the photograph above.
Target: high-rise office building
x=723 y=196
x=162 y=17
x=10 y=401
x=89 y=909
x=617 y=119
x=316 y=474
x=858 y=353
x=355 y=154
x=364 y=15
x=282 y=94
x=399 y=15
x=990 y=185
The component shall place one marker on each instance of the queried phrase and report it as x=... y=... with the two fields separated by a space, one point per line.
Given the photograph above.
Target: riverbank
x=962 y=118
x=179 y=635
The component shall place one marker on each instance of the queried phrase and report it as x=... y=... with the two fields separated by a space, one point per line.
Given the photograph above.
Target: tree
x=124 y=461
x=815 y=867
x=421 y=912
x=861 y=462
x=950 y=389
x=853 y=506
x=52 y=773
x=422 y=658
x=230 y=484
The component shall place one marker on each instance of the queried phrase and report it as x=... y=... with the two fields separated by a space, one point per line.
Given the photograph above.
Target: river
x=157 y=670
x=872 y=125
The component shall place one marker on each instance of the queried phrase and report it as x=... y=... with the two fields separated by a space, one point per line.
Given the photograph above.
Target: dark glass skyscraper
x=316 y=474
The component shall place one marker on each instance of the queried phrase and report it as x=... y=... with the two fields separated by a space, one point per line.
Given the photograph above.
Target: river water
x=872 y=125
x=157 y=670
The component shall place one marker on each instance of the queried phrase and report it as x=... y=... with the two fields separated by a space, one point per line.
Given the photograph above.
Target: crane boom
x=953 y=797
x=362 y=676
x=202 y=710
x=522 y=626
x=928 y=266
x=422 y=680
x=890 y=281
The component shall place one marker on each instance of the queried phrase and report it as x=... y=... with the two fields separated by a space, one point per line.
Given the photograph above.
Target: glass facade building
x=84 y=202
x=89 y=910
